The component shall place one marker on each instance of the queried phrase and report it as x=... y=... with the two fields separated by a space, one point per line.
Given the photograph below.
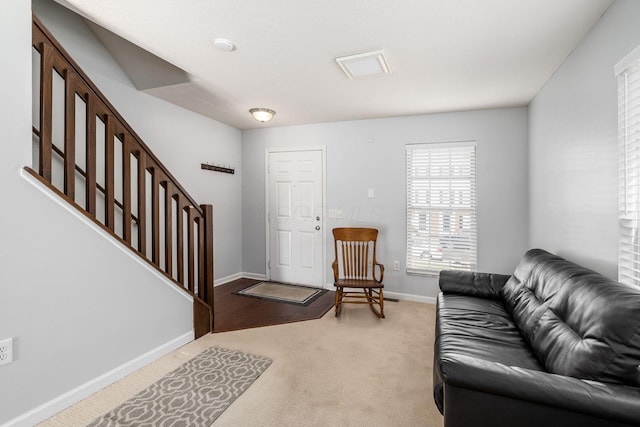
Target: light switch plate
x=335 y=214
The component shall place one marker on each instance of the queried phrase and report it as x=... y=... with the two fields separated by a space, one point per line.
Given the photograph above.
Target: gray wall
x=573 y=146
x=181 y=139
x=354 y=165
x=77 y=305
x=73 y=316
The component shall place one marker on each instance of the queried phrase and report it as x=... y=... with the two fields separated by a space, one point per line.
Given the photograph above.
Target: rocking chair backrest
x=355 y=251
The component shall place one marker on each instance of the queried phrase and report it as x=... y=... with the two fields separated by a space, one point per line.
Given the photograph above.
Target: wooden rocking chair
x=354 y=268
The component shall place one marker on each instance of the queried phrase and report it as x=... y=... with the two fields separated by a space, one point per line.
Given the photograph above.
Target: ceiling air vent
x=364 y=64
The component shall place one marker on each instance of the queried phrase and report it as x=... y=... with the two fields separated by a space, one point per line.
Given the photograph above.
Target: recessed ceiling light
x=364 y=64
x=224 y=44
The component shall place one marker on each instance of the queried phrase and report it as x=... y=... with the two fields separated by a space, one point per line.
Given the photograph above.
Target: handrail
x=105 y=101
x=181 y=248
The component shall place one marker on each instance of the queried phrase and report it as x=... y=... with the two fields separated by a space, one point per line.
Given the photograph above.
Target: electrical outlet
x=6 y=351
x=396 y=265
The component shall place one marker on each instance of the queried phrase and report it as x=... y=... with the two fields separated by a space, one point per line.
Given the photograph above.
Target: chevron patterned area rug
x=195 y=394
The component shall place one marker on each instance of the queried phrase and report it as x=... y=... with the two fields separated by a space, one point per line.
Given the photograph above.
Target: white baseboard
x=71 y=397
x=329 y=286
x=410 y=297
x=255 y=276
x=397 y=295
x=231 y=278
x=223 y=280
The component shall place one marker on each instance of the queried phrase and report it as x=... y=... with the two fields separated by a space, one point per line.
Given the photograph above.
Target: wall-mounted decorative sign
x=217 y=168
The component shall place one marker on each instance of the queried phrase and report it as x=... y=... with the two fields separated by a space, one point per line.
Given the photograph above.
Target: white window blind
x=441 y=207
x=628 y=75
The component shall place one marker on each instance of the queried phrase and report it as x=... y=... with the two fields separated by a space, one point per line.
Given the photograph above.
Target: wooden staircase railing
x=90 y=156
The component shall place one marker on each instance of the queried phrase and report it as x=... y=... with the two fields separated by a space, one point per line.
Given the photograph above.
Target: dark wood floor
x=233 y=312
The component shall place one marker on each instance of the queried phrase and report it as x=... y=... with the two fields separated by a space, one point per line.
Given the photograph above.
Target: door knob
x=317 y=227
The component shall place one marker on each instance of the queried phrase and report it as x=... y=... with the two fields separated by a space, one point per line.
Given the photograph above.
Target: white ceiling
x=445 y=55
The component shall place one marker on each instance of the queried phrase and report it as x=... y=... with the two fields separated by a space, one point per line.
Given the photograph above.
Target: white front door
x=295 y=208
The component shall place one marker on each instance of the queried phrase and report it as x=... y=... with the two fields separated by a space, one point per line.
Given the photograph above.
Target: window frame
x=445 y=232
x=627 y=73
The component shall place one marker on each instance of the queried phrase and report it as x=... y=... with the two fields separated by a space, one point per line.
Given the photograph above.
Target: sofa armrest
x=609 y=401
x=485 y=285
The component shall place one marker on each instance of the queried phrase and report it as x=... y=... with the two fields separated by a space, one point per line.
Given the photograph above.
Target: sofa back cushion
x=578 y=322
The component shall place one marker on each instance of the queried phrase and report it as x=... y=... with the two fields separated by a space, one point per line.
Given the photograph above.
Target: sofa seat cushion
x=481 y=328
x=523 y=397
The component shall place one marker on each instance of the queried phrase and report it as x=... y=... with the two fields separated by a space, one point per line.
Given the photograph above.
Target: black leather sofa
x=555 y=344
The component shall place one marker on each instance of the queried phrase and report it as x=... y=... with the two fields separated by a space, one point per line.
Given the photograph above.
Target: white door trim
x=323 y=151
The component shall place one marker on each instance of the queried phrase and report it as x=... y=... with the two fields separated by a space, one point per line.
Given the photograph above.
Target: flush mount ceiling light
x=262 y=114
x=364 y=64
x=224 y=44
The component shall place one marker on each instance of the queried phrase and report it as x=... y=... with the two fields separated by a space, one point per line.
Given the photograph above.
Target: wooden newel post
x=208 y=256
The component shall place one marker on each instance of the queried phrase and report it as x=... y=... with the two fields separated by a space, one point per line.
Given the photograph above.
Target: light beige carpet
x=355 y=370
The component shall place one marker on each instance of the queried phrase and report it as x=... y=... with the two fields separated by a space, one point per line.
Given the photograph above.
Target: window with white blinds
x=628 y=74
x=441 y=207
